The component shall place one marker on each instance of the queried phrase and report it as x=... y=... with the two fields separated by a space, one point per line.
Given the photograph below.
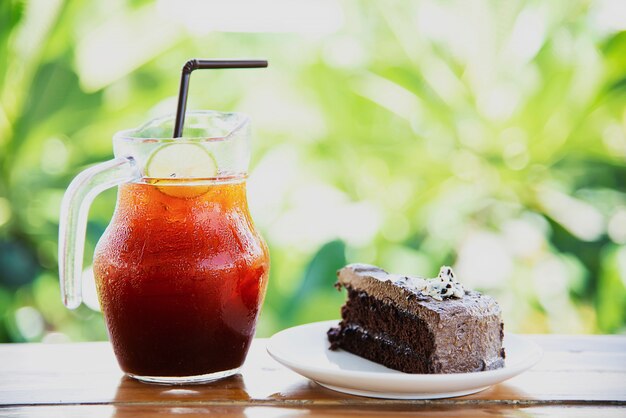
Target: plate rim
x=532 y=358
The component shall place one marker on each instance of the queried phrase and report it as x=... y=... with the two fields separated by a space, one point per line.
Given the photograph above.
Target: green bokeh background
x=487 y=135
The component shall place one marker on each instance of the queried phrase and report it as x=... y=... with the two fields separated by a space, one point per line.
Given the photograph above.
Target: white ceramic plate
x=304 y=349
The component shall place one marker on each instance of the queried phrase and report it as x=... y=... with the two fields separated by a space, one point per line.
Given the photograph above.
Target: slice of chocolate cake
x=417 y=325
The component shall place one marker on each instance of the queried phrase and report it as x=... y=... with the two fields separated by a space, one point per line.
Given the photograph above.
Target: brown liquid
x=181 y=274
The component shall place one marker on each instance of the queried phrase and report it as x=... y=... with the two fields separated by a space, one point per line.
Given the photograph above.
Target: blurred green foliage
x=488 y=135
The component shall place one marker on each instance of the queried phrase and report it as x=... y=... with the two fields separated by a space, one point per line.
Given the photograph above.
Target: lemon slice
x=172 y=163
x=181 y=161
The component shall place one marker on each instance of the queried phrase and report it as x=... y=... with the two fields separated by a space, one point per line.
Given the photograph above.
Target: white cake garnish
x=444 y=285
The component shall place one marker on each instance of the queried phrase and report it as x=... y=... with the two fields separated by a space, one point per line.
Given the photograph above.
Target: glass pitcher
x=180 y=271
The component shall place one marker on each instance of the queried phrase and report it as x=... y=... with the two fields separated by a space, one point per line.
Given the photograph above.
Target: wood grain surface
x=577 y=376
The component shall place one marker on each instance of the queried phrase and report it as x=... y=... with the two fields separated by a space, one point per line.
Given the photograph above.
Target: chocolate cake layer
x=388 y=321
x=384 y=337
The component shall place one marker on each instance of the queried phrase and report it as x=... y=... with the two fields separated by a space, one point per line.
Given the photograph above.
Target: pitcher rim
x=126 y=135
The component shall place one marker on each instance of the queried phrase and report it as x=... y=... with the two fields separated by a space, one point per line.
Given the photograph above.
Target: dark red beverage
x=181 y=274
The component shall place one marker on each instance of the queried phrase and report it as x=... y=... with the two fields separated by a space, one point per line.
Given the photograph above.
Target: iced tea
x=181 y=274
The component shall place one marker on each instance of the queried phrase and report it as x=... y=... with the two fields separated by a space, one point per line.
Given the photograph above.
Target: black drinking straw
x=197 y=64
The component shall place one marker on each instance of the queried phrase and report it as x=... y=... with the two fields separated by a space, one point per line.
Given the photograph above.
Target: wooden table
x=578 y=376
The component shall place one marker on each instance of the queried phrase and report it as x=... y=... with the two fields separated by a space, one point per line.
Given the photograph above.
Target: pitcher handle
x=73 y=220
